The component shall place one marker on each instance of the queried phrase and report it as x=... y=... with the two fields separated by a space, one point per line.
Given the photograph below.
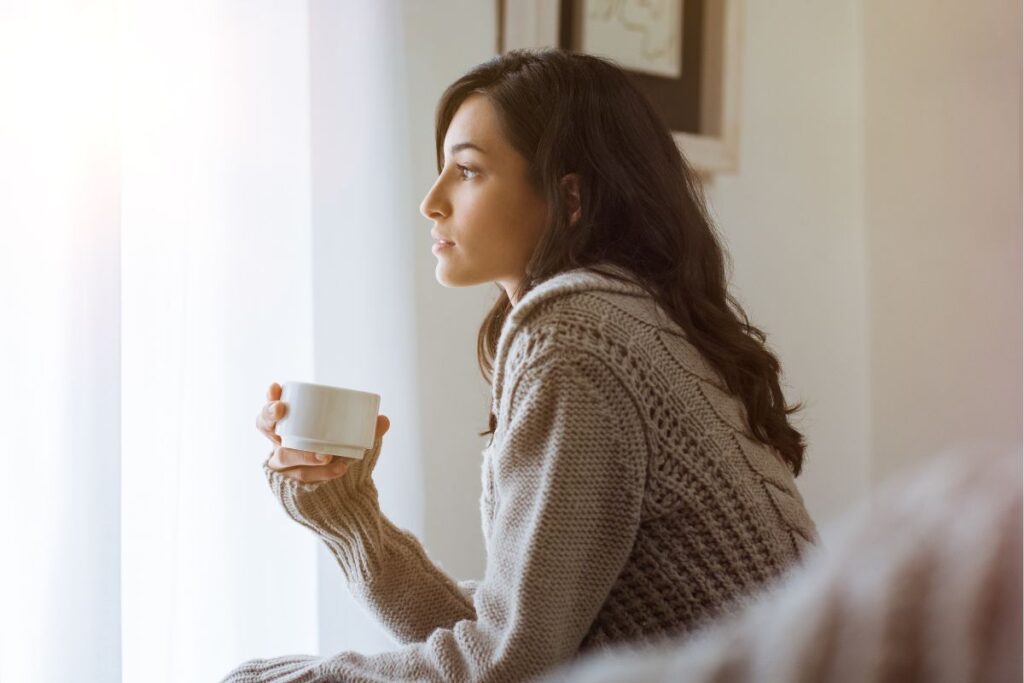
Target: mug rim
x=330 y=387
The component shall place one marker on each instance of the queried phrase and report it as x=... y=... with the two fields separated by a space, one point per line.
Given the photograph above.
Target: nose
x=430 y=206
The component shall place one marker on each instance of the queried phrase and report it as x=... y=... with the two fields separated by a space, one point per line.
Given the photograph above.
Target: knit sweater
x=623 y=498
x=919 y=584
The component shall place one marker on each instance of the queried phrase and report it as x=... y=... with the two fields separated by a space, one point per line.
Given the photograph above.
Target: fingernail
x=323 y=457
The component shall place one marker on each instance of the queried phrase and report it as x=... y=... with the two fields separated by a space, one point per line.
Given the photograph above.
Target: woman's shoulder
x=567 y=304
x=573 y=286
x=605 y=313
x=560 y=314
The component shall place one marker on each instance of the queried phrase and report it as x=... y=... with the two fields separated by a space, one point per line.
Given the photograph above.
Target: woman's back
x=720 y=514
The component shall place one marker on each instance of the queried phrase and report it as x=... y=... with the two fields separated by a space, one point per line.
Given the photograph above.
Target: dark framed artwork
x=682 y=54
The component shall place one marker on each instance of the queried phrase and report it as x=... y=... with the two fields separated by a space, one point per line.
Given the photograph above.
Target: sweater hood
x=591 y=278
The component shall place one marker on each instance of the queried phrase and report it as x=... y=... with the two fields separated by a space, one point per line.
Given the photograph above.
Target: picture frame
x=696 y=91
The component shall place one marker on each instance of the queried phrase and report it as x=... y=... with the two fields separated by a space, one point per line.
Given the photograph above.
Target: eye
x=464 y=170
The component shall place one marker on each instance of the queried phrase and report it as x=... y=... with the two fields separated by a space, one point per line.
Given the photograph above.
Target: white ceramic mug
x=324 y=419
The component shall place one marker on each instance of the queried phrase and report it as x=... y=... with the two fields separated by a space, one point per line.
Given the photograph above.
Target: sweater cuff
x=344 y=512
x=277 y=669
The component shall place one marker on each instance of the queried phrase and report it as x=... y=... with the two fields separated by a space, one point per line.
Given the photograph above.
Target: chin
x=448 y=275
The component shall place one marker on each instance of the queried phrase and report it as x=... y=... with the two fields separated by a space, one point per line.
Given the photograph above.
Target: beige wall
x=793 y=218
x=943 y=225
x=444 y=40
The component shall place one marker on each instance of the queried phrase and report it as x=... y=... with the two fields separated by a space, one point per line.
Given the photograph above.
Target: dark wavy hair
x=642 y=208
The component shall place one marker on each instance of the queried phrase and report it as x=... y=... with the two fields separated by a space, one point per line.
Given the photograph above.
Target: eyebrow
x=464 y=145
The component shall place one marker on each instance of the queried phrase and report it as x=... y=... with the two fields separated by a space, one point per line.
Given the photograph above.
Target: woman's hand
x=302 y=465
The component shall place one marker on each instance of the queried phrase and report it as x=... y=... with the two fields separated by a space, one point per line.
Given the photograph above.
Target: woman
x=639 y=476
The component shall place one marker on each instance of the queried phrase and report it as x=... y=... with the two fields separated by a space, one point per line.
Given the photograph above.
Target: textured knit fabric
x=922 y=586
x=623 y=497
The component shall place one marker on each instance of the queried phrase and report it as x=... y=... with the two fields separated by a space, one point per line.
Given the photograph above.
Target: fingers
x=327 y=472
x=269 y=433
x=267 y=419
x=274 y=392
x=284 y=458
x=383 y=425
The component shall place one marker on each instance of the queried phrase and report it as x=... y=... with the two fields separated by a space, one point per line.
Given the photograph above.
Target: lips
x=438 y=238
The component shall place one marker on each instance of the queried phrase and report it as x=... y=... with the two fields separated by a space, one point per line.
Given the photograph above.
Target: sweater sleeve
x=386 y=568
x=568 y=490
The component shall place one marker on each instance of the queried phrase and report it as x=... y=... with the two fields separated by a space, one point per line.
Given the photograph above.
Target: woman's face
x=483 y=203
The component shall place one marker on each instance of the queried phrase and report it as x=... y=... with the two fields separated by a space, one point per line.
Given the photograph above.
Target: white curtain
x=59 y=316
x=155 y=274
x=217 y=296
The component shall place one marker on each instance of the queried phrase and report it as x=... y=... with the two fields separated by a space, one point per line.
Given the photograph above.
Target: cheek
x=487 y=217
x=530 y=218
x=495 y=220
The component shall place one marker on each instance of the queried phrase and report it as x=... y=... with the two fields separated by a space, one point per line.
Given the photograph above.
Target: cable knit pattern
x=921 y=583
x=623 y=498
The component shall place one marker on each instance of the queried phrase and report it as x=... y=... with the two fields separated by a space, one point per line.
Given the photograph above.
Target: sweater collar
x=591 y=278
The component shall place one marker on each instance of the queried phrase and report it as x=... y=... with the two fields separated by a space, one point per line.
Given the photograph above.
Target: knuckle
x=294 y=457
